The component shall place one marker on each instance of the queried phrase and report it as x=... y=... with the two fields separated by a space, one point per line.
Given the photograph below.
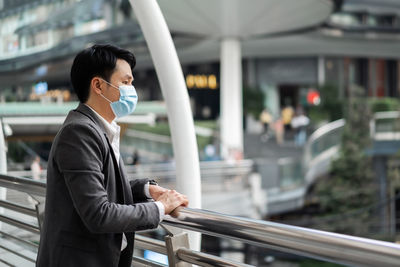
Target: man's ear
x=95 y=85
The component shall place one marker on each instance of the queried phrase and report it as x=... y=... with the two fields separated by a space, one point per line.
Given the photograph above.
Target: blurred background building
x=356 y=44
x=338 y=51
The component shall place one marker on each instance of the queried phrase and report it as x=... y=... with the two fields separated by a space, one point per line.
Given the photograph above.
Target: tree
x=348 y=193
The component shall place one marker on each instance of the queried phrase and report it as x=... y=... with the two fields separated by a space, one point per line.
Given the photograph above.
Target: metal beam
x=327 y=246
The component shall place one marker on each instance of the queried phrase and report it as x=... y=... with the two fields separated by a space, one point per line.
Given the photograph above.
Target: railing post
x=257 y=195
x=173 y=244
x=40 y=214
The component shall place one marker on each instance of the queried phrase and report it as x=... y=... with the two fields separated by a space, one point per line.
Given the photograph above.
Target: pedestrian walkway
x=254 y=147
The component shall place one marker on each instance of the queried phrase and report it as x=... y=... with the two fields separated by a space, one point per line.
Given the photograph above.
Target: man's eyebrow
x=127 y=76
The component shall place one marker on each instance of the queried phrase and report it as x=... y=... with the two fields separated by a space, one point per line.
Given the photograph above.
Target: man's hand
x=156 y=191
x=172 y=199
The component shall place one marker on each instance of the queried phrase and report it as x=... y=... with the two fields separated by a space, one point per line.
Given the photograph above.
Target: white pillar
x=174 y=89
x=3 y=154
x=231 y=117
x=1 y=43
x=321 y=70
x=3 y=166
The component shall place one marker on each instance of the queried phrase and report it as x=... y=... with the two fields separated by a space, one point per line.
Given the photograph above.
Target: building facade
x=357 y=45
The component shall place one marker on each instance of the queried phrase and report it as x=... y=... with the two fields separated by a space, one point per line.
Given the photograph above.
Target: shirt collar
x=112 y=129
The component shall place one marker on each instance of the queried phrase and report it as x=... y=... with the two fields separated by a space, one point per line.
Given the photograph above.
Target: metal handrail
x=318 y=134
x=23 y=184
x=323 y=130
x=23 y=225
x=329 y=127
x=18 y=254
x=7 y=263
x=150 y=244
x=207 y=169
x=187 y=255
x=140 y=262
x=204 y=165
x=317 y=244
x=148 y=136
x=20 y=240
x=204 y=259
x=386 y=115
x=17 y=208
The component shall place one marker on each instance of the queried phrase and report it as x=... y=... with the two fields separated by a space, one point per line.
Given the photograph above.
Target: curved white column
x=3 y=167
x=174 y=89
x=231 y=117
x=3 y=155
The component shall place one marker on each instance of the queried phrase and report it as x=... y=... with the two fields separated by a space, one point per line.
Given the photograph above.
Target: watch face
x=152 y=182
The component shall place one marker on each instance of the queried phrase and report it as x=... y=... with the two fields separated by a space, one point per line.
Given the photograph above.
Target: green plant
x=253 y=101
x=384 y=104
x=349 y=189
x=16 y=152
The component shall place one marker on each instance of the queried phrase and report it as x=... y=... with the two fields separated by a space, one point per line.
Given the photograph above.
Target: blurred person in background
x=135 y=158
x=279 y=131
x=210 y=153
x=287 y=115
x=299 y=123
x=265 y=119
x=92 y=210
x=36 y=170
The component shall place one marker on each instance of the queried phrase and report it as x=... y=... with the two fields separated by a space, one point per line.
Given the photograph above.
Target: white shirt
x=113 y=133
x=36 y=170
x=300 y=121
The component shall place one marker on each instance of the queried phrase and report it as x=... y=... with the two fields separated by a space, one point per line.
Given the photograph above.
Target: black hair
x=98 y=60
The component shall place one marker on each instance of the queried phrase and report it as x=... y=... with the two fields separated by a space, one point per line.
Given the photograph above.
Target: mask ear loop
x=110 y=84
x=102 y=92
x=105 y=98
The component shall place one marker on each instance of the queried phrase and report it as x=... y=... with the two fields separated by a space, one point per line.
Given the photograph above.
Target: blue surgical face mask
x=127 y=100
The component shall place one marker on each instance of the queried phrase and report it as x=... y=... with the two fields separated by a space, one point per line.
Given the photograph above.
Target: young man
x=92 y=210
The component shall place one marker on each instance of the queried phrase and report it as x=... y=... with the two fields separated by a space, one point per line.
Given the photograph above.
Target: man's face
x=122 y=75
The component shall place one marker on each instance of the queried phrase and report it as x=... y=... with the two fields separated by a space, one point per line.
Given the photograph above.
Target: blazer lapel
x=125 y=183
x=85 y=110
x=118 y=177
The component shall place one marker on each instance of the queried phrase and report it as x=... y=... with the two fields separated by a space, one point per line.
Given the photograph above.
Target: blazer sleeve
x=79 y=156
x=137 y=187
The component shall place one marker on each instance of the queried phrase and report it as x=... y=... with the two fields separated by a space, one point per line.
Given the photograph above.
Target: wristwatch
x=152 y=182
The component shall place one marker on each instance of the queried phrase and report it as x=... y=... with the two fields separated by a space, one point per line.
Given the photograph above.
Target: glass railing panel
x=387 y=125
x=326 y=141
x=216 y=176
x=290 y=174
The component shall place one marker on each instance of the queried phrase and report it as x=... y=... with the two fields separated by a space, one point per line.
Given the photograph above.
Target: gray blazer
x=89 y=200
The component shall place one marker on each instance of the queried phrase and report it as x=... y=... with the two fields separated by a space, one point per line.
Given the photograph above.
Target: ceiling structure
x=229 y=23
x=243 y=19
x=267 y=33
x=198 y=40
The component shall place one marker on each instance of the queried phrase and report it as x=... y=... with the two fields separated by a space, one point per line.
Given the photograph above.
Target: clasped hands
x=169 y=198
